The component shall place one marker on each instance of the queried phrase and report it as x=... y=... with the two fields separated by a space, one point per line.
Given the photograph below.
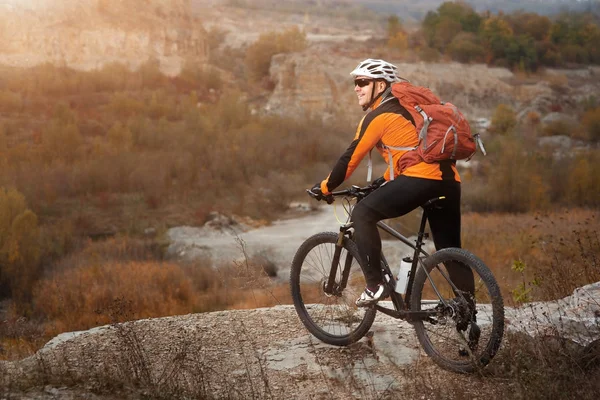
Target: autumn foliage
x=520 y=40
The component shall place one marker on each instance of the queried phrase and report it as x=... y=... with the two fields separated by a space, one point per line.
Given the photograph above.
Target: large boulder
x=575 y=317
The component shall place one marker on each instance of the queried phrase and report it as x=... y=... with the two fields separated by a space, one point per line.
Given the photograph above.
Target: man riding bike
x=390 y=128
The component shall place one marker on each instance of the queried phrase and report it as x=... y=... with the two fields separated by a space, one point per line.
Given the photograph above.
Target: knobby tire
x=440 y=337
x=332 y=318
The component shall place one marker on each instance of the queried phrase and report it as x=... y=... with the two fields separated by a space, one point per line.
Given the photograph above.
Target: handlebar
x=353 y=191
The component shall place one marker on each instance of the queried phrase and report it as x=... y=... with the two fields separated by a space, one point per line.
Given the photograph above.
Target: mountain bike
x=460 y=331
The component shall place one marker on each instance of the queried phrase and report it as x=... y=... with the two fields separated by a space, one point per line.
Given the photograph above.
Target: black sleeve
x=338 y=173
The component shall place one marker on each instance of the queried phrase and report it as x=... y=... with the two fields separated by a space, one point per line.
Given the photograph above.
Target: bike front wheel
x=325 y=302
x=465 y=329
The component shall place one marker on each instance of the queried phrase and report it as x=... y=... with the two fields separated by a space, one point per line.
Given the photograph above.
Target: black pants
x=397 y=198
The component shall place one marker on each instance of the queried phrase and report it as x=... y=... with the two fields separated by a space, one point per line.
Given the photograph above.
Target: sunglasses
x=362 y=82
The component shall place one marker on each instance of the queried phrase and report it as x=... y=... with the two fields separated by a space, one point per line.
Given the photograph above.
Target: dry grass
x=122 y=279
x=548 y=243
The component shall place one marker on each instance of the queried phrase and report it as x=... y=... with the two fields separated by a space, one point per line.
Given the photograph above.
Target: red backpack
x=444 y=132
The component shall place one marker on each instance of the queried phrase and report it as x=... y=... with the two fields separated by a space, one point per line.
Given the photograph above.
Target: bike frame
x=401 y=304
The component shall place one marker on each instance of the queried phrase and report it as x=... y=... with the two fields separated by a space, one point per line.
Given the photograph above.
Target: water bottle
x=405 y=266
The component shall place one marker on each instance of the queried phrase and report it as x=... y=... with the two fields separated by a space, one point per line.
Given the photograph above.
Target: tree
x=496 y=33
x=394 y=26
x=559 y=32
x=536 y=26
x=521 y=52
x=465 y=47
x=19 y=245
x=429 y=26
x=446 y=30
x=451 y=18
x=462 y=13
x=591 y=38
x=397 y=38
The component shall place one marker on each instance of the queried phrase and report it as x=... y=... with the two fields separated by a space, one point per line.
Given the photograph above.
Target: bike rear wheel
x=465 y=333
x=331 y=317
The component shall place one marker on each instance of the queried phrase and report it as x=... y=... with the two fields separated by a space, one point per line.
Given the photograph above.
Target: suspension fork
x=339 y=245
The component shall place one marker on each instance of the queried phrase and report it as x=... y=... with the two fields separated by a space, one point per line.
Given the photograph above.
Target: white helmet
x=377 y=69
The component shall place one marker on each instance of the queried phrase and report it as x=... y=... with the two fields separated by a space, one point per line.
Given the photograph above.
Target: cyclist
x=387 y=124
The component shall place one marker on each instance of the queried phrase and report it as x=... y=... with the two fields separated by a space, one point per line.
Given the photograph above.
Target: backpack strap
x=453 y=129
x=422 y=137
x=390 y=159
x=426 y=121
x=479 y=142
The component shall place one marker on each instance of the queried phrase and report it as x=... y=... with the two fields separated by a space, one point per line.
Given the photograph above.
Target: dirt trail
x=277 y=242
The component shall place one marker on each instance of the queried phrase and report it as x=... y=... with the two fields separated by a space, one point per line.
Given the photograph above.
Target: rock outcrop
x=311 y=82
x=88 y=34
x=575 y=317
x=267 y=353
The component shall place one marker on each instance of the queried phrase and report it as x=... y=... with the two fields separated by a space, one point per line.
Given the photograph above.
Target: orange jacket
x=391 y=125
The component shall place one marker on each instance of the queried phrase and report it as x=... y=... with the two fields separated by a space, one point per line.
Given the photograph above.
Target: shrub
x=19 y=245
x=574 y=53
x=3 y=140
x=399 y=41
x=85 y=296
x=123 y=106
x=10 y=102
x=509 y=186
x=62 y=141
x=583 y=185
x=589 y=103
x=591 y=124
x=545 y=367
x=429 y=54
x=559 y=127
x=558 y=82
x=199 y=78
x=120 y=137
x=504 y=120
x=258 y=55
x=159 y=106
x=150 y=75
x=111 y=77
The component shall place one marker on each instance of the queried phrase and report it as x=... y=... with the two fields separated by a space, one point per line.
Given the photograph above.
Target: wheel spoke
x=332 y=317
x=469 y=326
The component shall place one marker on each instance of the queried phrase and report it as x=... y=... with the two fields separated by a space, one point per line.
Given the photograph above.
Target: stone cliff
x=313 y=82
x=90 y=33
